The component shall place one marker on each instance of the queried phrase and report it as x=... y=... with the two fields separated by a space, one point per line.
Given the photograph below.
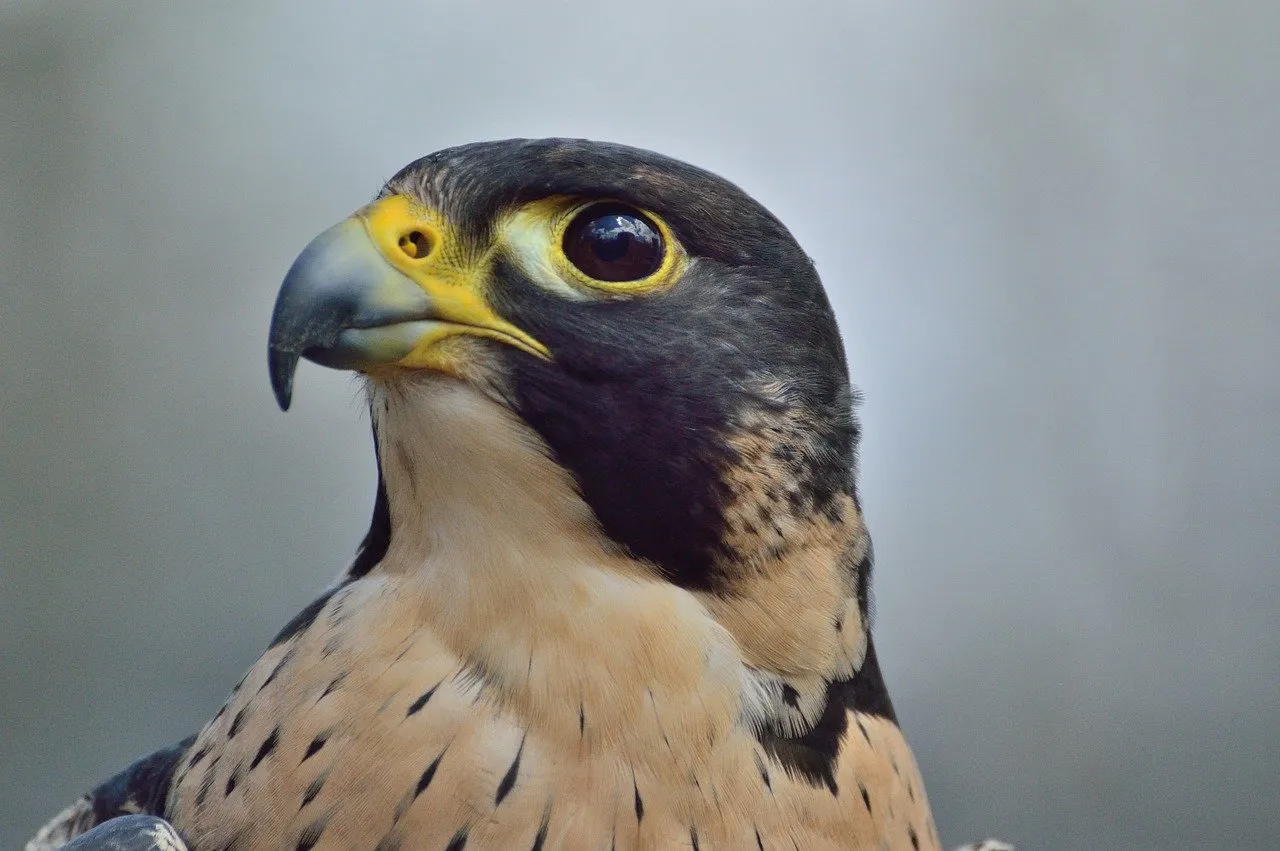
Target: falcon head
x=659 y=331
x=616 y=522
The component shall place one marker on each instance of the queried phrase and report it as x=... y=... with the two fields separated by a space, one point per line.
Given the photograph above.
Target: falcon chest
x=502 y=681
x=361 y=731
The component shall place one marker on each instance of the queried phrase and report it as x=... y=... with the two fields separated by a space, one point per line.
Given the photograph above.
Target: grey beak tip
x=340 y=281
x=282 y=365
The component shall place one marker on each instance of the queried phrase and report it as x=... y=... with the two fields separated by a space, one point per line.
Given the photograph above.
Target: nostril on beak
x=415 y=244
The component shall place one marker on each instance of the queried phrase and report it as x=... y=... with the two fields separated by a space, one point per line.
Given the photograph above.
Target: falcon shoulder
x=139 y=790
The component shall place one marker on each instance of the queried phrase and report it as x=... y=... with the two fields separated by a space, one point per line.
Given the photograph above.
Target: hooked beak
x=372 y=291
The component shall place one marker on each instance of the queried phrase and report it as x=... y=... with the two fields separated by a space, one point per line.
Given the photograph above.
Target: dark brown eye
x=613 y=242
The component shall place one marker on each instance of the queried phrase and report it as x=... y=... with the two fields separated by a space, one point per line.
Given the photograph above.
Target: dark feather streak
x=316 y=744
x=422 y=700
x=425 y=780
x=543 y=830
x=310 y=836
x=264 y=750
x=509 y=779
x=313 y=789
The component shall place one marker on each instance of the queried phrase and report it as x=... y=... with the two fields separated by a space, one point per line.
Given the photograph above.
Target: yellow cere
x=533 y=236
x=418 y=243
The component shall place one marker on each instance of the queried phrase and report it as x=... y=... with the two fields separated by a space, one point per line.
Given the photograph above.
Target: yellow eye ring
x=616 y=247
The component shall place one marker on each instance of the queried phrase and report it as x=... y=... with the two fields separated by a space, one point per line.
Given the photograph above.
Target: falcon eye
x=613 y=242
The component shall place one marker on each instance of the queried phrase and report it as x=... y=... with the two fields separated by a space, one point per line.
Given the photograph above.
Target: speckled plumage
x=612 y=600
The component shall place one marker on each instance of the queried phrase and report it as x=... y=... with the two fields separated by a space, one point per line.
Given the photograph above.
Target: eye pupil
x=609 y=244
x=615 y=243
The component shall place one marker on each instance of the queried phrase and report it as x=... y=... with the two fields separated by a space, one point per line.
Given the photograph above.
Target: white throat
x=468 y=482
x=491 y=539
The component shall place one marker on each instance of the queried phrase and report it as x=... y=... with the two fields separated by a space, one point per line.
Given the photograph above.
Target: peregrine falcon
x=614 y=594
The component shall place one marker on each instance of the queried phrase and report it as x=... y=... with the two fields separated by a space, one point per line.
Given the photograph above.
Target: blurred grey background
x=1051 y=232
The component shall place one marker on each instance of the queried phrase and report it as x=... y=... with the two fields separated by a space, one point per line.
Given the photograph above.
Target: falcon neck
x=465 y=477
x=503 y=562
